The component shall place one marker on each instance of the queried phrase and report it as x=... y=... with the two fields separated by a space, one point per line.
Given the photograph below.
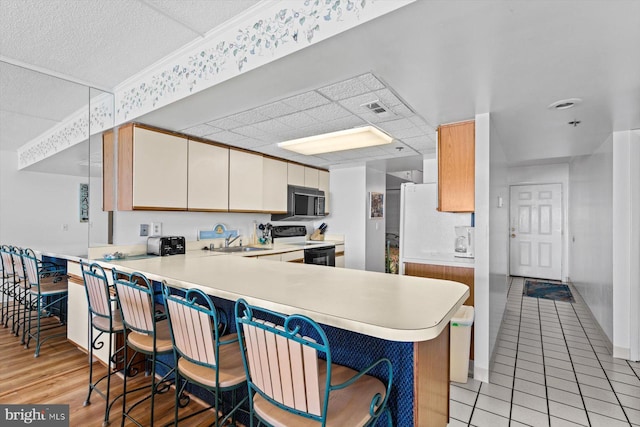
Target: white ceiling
x=444 y=60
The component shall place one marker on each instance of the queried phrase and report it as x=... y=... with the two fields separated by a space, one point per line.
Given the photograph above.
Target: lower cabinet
x=444 y=272
x=340 y=256
x=270 y=257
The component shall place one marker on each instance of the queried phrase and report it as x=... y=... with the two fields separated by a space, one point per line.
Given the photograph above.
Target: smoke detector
x=564 y=104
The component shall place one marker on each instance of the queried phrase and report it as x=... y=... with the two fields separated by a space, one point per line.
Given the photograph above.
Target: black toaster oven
x=165 y=245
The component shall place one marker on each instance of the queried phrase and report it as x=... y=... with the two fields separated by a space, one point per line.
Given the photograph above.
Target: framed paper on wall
x=376 y=205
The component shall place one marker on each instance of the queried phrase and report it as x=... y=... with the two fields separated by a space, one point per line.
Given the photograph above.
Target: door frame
x=564 y=262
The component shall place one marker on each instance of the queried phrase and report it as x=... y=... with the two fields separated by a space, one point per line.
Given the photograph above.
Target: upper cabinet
x=456 y=167
x=274 y=185
x=295 y=174
x=162 y=170
x=245 y=181
x=152 y=170
x=208 y=173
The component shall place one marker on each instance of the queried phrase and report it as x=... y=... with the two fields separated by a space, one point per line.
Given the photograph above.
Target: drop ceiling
x=440 y=61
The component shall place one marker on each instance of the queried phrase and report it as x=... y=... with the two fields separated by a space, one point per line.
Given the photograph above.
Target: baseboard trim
x=622 y=353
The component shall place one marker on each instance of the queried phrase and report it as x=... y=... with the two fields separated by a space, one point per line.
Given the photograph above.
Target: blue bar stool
x=289 y=385
x=147 y=332
x=203 y=357
x=105 y=318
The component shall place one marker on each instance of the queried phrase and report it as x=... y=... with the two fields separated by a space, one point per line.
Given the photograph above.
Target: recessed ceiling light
x=565 y=104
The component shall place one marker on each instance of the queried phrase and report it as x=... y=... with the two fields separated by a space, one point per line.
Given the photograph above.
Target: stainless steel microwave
x=303 y=203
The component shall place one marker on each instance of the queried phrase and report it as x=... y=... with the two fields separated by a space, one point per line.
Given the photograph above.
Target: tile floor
x=552 y=368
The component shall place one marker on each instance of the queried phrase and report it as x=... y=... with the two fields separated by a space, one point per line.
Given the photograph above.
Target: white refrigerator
x=425 y=233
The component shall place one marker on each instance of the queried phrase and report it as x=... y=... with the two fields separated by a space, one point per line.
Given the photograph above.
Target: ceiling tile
x=253 y=132
x=408 y=133
x=396 y=125
x=300 y=119
x=276 y=109
x=328 y=112
x=248 y=117
x=224 y=123
x=355 y=103
x=226 y=137
x=387 y=97
x=345 y=89
x=306 y=100
x=201 y=130
x=371 y=81
x=272 y=126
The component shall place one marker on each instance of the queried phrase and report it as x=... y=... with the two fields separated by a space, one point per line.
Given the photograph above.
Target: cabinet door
x=323 y=184
x=159 y=170
x=245 y=181
x=274 y=185
x=208 y=177
x=310 y=177
x=456 y=167
x=295 y=174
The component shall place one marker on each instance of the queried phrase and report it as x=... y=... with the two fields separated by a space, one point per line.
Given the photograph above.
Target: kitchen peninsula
x=367 y=315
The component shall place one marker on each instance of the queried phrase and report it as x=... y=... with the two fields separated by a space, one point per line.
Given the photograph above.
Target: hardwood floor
x=61 y=375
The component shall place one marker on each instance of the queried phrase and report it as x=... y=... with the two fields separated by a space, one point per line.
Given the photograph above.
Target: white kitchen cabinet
x=208 y=172
x=271 y=257
x=295 y=256
x=295 y=174
x=311 y=177
x=340 y=255
x=152 y=169
x=323 y=184
x=274 y=185
x=245 y=181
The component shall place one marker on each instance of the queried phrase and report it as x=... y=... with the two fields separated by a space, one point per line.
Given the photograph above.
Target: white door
x=536 y=231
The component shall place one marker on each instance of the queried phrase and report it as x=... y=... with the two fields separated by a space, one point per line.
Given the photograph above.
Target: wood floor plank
x=61 y=376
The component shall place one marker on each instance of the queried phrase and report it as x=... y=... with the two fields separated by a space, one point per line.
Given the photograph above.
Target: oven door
x=325 y=255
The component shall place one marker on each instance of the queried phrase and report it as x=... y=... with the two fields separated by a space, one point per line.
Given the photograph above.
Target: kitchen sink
x=240 y=249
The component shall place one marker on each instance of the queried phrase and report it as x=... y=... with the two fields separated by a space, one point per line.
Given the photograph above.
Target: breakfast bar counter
x=366 y=315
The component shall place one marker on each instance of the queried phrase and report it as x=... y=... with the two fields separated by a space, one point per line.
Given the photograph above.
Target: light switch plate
x=144 y=229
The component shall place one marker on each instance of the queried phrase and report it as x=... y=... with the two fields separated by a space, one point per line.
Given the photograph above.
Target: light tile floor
x=552 y=368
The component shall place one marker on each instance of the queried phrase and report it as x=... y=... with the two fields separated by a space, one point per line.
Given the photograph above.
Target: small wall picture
x=84 y=203
x=376 y=205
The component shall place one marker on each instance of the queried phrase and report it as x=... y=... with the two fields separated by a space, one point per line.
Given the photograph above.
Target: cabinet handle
x=513 y=235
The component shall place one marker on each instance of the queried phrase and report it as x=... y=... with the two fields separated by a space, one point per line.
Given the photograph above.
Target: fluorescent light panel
x=367 y=136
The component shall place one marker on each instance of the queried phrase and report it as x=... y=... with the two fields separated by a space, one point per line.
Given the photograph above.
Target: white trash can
x=461 y=324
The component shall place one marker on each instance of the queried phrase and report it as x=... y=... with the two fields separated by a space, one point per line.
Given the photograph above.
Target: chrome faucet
x=228 y=241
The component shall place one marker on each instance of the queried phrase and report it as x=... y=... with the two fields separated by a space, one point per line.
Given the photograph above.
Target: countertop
x=442 y=258
x=392 y=307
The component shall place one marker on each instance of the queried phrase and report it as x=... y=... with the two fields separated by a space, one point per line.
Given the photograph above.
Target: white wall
x=626 y=244
x=491 y=232
x=498 y=237
x=126 y=224
x=375 y=238
x=549 y=174
x=34 y=207
x=590 y=222
x=348 y=210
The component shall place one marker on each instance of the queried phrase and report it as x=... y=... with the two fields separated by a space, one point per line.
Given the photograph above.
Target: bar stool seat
x=347 y=407
x=229 y=357
x=103 y=323
x=144 y=343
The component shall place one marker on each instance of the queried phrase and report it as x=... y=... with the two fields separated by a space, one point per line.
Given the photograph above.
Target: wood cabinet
x=294 y=256
x=340 y=256
x=274 y=185
x=108 y=171
x=456 y=167
x=457 y=274
x=245 y=181
x=208 y=172
x=152 y=170
x=323 y=184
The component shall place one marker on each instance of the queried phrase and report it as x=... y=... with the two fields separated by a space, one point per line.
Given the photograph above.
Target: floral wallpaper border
x=89 y=120
x=272 y=32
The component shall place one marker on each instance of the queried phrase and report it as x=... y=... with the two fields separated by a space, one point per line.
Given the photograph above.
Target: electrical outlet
x=65 y=227
x=144 y=229
x=156 y=229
